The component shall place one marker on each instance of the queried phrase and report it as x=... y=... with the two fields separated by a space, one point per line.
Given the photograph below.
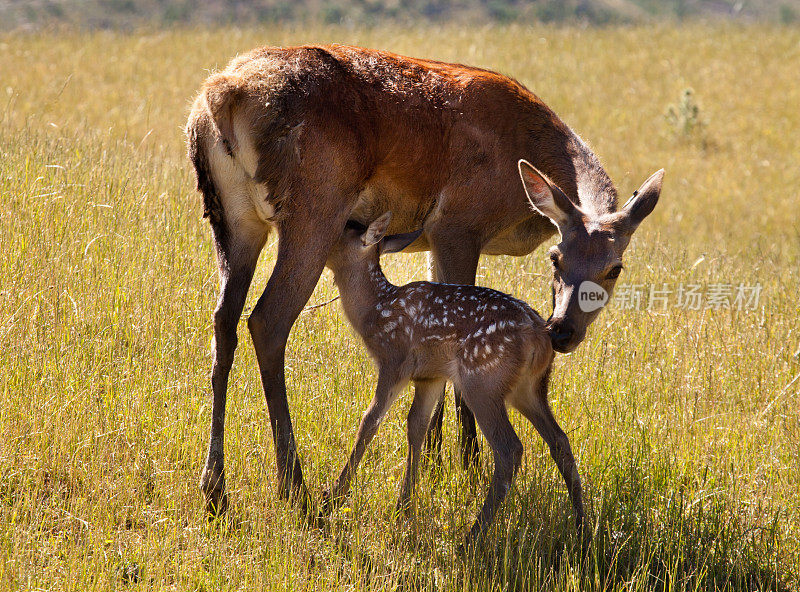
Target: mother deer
x=302 y=139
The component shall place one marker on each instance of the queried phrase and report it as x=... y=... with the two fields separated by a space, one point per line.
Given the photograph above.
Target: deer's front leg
x=454 y=260
x=390 y=383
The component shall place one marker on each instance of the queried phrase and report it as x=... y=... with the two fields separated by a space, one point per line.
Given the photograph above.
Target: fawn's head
x=360 y=245
x=588 y=259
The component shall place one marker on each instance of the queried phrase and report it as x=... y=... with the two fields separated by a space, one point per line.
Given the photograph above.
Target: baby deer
x=493 y=347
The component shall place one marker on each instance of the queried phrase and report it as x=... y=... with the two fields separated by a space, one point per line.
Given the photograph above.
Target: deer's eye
x=614 y=273
x=554 y=259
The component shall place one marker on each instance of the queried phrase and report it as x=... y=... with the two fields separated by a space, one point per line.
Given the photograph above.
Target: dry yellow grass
x=684 y=423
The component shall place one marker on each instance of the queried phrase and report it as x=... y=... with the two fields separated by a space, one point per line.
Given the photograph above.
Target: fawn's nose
x=561 y=336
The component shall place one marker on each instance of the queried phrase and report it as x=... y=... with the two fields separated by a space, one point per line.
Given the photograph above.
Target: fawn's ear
x=377 y=229
x=397 y=242
x=545 y=197
x=644 y=199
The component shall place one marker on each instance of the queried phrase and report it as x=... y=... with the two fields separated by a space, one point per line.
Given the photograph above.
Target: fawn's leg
x=454 y=261
x=536 y=409
x=490 y=413
x=427 y=394
x=390 y=383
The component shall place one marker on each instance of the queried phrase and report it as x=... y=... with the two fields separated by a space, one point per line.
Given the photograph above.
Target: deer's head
x=588 y=259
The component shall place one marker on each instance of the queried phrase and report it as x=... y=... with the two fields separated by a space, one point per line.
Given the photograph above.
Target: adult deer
x=302 y=139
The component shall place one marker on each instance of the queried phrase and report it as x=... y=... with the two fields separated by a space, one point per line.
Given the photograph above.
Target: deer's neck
x=362 y=289
x=564 y=157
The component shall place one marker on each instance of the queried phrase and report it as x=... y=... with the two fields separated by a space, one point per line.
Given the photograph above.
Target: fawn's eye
x=614 y=273
x=554 y=259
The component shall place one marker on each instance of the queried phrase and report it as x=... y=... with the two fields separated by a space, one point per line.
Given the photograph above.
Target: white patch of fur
x=245 y=202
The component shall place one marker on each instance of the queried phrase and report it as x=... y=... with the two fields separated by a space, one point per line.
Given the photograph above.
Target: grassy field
x=684 y=422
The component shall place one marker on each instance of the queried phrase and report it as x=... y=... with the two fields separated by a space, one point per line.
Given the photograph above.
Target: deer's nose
x=560 y=336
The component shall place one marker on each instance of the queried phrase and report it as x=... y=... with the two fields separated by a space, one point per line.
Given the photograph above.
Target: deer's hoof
x=471 y=455
x=331 y=501
x=216 y=497
x=327 y=503
x=585 y=535
x=404 y=508
x=462 y=552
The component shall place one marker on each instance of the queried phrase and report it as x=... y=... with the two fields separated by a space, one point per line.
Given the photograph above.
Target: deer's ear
x=397 y=242
x=644 y=199
x=376 y=230
x=545 y=197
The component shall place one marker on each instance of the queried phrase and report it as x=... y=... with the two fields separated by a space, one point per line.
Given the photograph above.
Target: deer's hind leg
x=531 y=400
x=304 y=241
x=236 y=267
x=239 y=235
x=318 y=184
x=490 y=412
x=427 y=394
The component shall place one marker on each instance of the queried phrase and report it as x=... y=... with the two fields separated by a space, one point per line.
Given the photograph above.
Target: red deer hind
x=303 y=139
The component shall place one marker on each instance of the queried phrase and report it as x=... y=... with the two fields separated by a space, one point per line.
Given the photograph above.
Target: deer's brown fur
x=493 y=347
x=301 y=139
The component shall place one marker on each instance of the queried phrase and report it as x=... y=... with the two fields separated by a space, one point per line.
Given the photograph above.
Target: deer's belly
x=521 y=238
x=409 y=206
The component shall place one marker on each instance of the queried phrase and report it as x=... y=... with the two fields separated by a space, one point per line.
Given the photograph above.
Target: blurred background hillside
x=115 y=14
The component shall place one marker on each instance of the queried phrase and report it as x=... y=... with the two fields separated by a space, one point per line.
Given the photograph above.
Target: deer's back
x=450 y=331
x=403 y=134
